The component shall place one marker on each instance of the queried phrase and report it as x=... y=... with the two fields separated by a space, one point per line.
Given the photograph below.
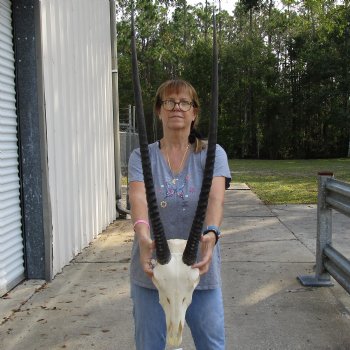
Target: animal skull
x=175 y=282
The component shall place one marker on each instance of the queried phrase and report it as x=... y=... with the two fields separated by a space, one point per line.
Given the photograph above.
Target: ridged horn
x=190 y=252
x=161 y=244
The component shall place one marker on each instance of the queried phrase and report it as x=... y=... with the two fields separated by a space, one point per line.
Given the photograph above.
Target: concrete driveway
x=264 y=248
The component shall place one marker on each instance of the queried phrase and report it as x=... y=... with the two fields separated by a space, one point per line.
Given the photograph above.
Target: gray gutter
x=115 y=96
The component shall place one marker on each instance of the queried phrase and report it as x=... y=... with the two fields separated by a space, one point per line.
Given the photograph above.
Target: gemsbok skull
x=175 y=282
x=174 y=277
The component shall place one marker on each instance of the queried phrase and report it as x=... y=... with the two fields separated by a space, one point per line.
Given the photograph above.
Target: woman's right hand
x=147 y=247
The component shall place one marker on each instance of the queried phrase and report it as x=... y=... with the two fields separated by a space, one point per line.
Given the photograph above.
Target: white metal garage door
x=11 y=242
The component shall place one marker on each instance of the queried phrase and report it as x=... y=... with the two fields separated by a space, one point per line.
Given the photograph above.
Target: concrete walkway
x=87 y=306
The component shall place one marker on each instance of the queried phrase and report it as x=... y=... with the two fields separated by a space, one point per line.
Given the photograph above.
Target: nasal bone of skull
x=175 y=282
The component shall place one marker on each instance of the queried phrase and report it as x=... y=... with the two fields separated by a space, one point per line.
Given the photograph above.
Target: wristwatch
x=215 y=229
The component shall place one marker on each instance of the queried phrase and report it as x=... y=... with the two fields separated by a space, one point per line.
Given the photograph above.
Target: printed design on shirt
x=175 y=187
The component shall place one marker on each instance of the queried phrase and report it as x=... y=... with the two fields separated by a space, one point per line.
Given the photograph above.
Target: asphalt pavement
x=264 y=249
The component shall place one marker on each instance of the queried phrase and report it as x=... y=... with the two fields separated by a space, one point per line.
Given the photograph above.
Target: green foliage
x=284 y=71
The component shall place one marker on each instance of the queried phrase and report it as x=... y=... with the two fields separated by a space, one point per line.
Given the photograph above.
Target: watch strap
x=215 y=230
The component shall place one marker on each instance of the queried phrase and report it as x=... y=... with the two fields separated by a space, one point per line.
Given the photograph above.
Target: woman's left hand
x=207 y=247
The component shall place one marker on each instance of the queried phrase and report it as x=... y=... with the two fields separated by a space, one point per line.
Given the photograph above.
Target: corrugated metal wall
x=78 y=97
x=11 y=246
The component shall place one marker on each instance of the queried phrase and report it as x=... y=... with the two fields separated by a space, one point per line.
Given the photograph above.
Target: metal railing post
x=133 y=119
x=129 y=132
x=324 y=226
x=324 y=236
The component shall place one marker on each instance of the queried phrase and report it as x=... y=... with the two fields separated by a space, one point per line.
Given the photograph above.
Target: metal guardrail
x=332 y=194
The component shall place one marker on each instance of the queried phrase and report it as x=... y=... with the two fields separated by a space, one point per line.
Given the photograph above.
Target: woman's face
x=179 y=116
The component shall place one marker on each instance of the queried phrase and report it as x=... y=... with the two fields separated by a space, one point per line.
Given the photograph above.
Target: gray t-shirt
x=177 y=198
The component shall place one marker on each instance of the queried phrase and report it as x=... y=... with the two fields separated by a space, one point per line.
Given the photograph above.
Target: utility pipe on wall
x=115 y=96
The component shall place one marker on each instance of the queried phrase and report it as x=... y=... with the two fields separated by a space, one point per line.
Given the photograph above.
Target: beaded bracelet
x=141 y=222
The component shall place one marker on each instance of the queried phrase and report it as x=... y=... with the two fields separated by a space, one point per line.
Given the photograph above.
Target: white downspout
x=115 y=97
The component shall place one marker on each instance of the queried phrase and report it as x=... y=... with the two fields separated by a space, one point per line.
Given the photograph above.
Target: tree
x=284 y=72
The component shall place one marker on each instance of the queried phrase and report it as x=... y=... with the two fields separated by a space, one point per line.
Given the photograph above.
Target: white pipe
x=115 y=96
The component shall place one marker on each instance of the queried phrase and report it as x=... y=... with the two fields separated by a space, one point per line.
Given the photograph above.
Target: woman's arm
x=213 y=216
x=139 y=211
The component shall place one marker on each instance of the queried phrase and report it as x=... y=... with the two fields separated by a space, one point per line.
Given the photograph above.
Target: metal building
x=11 y=242
x=57 y=158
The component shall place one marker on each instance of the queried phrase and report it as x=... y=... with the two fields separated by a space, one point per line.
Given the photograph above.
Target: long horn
x=161 y=244
x=190 y=252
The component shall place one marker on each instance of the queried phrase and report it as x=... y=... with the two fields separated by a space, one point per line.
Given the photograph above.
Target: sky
x=227 y=5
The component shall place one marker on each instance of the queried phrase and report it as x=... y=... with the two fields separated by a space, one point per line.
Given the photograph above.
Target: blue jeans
x=204 y=316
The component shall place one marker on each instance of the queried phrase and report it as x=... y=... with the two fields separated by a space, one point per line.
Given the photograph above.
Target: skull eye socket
x=168 y=300
x=183 y=300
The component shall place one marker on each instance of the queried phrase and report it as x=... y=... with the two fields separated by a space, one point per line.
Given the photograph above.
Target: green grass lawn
x=287 y=181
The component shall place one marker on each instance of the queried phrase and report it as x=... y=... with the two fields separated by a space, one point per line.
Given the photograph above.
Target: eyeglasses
x=169 y=105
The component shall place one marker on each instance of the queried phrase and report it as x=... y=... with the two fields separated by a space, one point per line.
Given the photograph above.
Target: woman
x=178 y=161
